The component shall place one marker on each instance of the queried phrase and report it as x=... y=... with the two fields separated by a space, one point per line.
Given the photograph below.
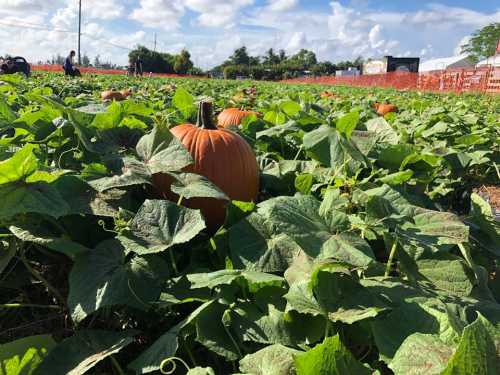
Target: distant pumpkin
x=383 y=109
x=220 y=155
x=233 y=116
x=327 y=94
x=113 y=95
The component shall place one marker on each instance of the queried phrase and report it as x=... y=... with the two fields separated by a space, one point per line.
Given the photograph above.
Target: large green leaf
x=162 y=152
x=332 y=148
x=82 y=351
x=184 y=102
x=164 y=347
x=191 y=185
x=340 y=297
x=161 y=224
x=448 y=273
x=107 y=277
x=39 y=197
x=131 y=172
x=23 y=356
x=39 y=236
x=22 y=164
x=269 y=238
x=421 y=354
x=267 y=324
x=329 y=357
x=350 y=249
x=383 y=130
x=274 y=359
x=212 y=332
x=476 y=353
x=252 y=279
x=429 y=316
x=7 y=115
x=347 y=123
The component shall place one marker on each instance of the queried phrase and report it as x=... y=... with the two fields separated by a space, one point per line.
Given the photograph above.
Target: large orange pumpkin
x=233 y=116
x=220 y=155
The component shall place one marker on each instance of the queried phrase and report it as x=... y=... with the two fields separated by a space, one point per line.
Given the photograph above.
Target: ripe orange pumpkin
x=112 y=95
x=327 y=94
x=220 y=155
x=233 y=116
x=383 y=109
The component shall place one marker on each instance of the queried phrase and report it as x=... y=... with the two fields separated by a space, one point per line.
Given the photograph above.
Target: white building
x=493 y=61
x=460 y=61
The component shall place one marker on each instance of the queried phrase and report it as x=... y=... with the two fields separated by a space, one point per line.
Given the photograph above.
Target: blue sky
x=212 y=29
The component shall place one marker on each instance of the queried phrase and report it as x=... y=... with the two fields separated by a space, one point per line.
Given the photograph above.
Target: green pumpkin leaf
x=164 y=347
x=82 y=351
x=161 y=224
x=347 y=123
x=329 y=357
x=162 y=152
x=421 y=354
x=274 y=359
x=184 y=102
x=23 y=356
x=476 y=353
x=107 y=277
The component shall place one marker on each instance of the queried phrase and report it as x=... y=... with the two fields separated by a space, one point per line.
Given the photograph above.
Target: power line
x=79 y=31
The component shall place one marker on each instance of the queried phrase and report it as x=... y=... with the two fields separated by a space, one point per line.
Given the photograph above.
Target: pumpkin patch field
x=144 y=230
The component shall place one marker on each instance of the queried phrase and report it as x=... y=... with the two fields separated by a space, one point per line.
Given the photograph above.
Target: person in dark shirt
x=138 y=67
x=69 y=67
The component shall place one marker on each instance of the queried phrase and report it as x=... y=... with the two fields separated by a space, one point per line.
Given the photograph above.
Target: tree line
x=277 y=65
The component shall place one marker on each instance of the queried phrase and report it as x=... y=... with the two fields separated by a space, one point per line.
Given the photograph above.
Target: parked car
x=11 y=65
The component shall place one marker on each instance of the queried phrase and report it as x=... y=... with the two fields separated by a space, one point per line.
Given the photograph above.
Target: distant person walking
x=69 y=66
x=138 y=66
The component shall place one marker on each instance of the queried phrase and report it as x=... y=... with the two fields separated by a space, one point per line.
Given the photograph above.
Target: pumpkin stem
x=204 y=120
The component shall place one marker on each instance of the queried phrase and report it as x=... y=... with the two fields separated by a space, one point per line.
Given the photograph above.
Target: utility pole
x=79 y=30
x=154 y=49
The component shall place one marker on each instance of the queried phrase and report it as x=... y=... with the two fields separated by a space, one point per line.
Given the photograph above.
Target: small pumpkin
x=233 y=116
x=327 y=94
x=220 y=155
x=112 y=95
x=383 y=109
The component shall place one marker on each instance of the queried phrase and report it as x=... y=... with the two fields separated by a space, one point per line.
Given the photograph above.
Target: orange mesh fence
x=398 y=80
x=91 y=70
x=485 y=79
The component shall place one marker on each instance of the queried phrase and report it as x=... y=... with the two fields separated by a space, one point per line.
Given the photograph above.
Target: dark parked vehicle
x=11 y=65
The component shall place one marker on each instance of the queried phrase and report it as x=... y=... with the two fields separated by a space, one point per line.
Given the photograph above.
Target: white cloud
x=375 y=38
x=458 y=48
x=161 y=14
x=297 y=42
x=281 y=5
x=217 y=13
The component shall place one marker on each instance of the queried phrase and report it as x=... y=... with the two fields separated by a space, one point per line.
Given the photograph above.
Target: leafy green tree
x=483 y=42
x=183 y=63
x=282 y=55
x=271 y=58
x=153 y=61
x=97 y=61
x=253 y=60
x=304 y=58
x=239 y=57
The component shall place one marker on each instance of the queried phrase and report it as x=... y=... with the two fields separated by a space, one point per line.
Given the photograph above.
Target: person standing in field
x=69 y=66
x=138 y=66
